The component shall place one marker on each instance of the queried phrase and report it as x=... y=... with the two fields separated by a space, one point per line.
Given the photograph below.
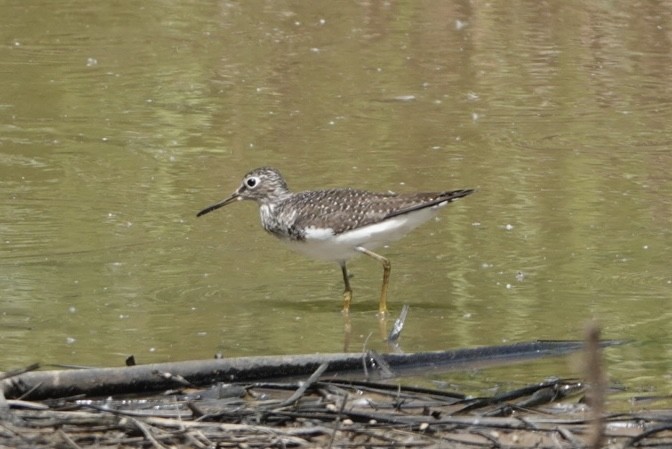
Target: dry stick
x=195 y=442
x=141 y=378
x=596 y=389
x=16 y=372
x=647 y=433
x=68 y=440
x=29 y=392
x=148 y=433
x=198 y=436
x=4 y=404
x=304 y=386
x=569 y=436
x=178 y=410
x=337 y=424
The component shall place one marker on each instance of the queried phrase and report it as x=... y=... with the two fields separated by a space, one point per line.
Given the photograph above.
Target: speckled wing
x=345 y=209
x=423 y=200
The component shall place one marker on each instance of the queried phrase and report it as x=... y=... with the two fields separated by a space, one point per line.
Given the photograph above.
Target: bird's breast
x=280 y=223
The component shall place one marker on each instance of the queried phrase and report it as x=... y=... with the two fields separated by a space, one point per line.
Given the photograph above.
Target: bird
x=337 y=224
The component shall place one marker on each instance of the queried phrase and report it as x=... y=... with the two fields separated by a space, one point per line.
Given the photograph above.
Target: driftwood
x=330 y=414
x=318 y=410
x=164 y=376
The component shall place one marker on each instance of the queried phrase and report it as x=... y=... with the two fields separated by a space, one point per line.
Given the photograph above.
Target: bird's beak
x=235 y=196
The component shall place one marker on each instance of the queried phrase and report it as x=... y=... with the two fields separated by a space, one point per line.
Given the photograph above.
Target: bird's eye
x=251 y=182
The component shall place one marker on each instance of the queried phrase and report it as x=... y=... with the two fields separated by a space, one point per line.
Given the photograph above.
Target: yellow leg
x=347 y=332
x=382 y=305
x=347 y=293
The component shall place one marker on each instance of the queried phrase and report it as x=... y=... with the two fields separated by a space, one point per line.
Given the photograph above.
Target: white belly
x=322 y=244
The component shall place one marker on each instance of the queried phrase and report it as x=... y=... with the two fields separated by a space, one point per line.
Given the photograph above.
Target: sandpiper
x=337 y=224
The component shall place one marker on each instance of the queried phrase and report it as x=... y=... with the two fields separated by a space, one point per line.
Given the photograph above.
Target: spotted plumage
x=337 y=224
x=342 y=210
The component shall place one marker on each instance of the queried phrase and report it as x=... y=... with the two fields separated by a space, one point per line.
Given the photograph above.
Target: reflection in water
x=117 y=123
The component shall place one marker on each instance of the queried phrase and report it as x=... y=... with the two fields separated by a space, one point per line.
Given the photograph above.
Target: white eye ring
x=252 y=182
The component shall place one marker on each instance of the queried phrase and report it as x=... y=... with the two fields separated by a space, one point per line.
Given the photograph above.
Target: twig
x=147 y=433
x=636 y=439
x=596 y=389
x=16 y=372
x=304 y=386
x=196 y=442
x=68 y=440
x=337 y=424
x=569 y=436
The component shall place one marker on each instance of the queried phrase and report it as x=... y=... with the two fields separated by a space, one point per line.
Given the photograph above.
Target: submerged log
x=162 y=376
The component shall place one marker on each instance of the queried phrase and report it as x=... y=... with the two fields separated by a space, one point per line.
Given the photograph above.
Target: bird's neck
x=274 y=198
